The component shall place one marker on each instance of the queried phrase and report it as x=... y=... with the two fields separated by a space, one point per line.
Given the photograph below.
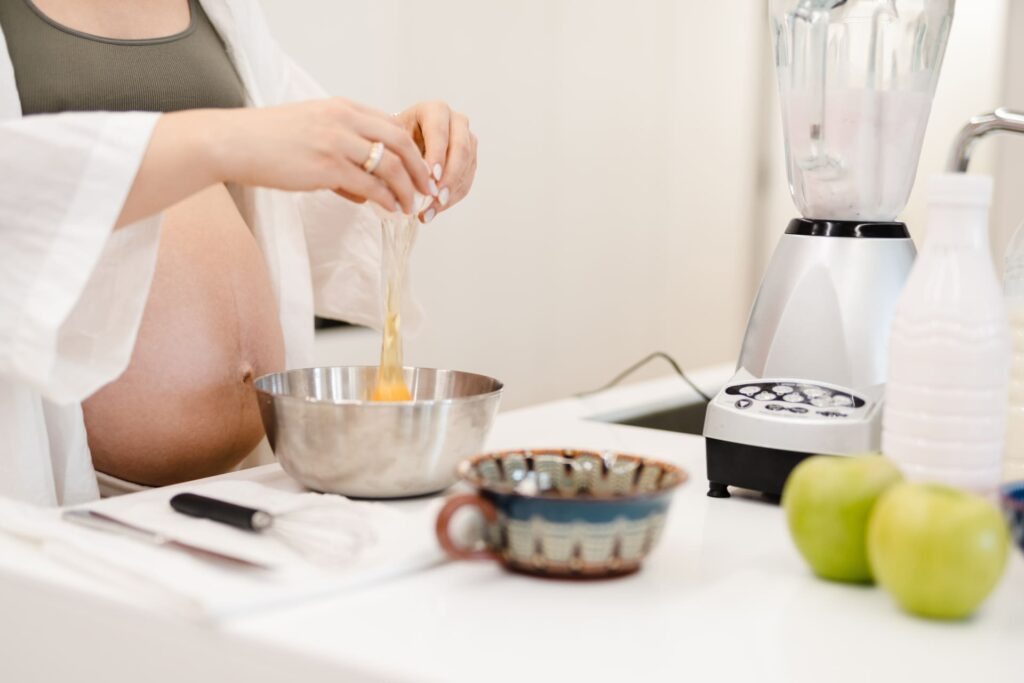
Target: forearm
x=183 y=157
x=314 y=145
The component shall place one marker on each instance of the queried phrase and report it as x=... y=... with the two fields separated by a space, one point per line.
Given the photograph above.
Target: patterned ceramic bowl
x=1012 y=498
x=564 y=513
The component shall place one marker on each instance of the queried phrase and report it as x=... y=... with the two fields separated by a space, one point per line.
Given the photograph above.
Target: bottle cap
x=960 y=189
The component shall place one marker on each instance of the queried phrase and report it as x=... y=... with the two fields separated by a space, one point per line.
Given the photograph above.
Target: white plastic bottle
x=1013 y=284
x=949 y=352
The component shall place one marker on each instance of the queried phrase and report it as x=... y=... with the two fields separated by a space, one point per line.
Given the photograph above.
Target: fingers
x=349 y=196
x=390 y=173
x=434 y=123
x=459 y=167
x=467 y=181
x=461 y=186
x=429 y=149
x=393 y=172
x=353 y=182
x=361 y=183
x=374 y=189
x=400 y=144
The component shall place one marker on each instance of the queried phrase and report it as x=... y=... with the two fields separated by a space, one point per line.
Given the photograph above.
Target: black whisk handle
x=238 y=516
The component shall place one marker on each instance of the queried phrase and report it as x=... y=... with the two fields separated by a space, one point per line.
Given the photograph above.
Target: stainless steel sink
x=686 y=419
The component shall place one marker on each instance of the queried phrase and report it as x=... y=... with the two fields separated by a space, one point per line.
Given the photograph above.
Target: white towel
x=384 y=542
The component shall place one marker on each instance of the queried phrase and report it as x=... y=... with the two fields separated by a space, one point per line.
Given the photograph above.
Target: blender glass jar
x=856 y=80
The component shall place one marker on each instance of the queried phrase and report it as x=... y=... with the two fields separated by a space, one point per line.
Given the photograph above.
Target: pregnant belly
x=186 y=407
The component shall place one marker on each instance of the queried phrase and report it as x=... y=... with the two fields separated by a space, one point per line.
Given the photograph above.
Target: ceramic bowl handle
x=444 y=518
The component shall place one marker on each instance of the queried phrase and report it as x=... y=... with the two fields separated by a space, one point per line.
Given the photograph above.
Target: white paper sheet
x=392 y=543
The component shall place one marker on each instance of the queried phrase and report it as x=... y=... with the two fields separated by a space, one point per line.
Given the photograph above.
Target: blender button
x=814 y=392
x=782 y=389
x=765 y=396
x=798 y=410
x=743 y=403
x=774 y=407
x=820 y=402
x=841 y=400
x=749 y=391
x=794 y=398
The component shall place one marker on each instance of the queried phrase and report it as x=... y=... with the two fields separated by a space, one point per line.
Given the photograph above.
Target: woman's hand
x=315 y=145
x=322 y=144
x=449 y=148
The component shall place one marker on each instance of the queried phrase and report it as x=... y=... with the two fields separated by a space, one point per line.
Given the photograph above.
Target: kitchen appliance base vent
x=750 y=467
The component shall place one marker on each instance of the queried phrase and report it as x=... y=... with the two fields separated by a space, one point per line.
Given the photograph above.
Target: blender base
x=811 y=373
x=751 y=467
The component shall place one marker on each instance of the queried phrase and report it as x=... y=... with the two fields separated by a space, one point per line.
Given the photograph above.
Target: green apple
x=938 y=550
x=828 y=501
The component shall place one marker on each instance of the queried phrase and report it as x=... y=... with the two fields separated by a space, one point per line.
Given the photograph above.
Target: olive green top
x=60 y=69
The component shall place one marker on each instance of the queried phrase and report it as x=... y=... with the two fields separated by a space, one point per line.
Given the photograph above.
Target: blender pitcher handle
x=444 y=518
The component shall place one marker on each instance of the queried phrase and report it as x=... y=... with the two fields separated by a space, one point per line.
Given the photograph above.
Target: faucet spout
x=977 y=127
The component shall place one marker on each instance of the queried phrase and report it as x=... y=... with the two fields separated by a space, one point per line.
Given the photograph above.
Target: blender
x=856 y=80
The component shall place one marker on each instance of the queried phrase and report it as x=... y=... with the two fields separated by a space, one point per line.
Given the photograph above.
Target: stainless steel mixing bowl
x=331 y=438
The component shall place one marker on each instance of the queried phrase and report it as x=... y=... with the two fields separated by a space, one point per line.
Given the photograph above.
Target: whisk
x=322 y=534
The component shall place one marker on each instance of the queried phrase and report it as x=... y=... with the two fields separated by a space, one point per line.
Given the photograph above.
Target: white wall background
x=1008 y=209
x=623 y=143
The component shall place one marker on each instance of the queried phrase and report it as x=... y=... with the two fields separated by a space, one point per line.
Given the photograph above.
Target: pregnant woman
x=178 y=200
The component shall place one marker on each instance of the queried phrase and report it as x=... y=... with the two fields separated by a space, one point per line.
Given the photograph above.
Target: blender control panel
x=793 y=399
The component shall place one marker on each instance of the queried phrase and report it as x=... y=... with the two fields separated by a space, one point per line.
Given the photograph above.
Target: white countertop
x=723 y=597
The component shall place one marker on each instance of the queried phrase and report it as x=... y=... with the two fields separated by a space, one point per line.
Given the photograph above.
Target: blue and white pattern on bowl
x=573 y=513
x=1012 y=500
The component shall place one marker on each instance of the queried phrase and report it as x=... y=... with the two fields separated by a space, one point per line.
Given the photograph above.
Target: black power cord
x=639 y=364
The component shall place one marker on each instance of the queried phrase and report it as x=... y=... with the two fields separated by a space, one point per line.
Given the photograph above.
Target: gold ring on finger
x=374 y=157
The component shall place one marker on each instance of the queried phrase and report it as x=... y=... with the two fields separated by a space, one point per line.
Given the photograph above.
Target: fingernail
x=428 y=215
x=433 y=186
x=442 y=196
x=437 y=171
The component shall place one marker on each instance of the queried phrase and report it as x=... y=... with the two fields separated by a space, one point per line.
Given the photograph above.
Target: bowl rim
x=469 y=463
x=1007 y=493
x=379 y=404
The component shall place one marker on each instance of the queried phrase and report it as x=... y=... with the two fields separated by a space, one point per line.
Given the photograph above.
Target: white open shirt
x=72 y=289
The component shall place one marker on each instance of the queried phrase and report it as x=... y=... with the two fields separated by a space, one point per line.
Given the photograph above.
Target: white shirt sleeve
x=72 y=289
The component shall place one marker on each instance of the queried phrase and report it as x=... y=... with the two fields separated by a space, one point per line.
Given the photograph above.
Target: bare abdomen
x=185 y=407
